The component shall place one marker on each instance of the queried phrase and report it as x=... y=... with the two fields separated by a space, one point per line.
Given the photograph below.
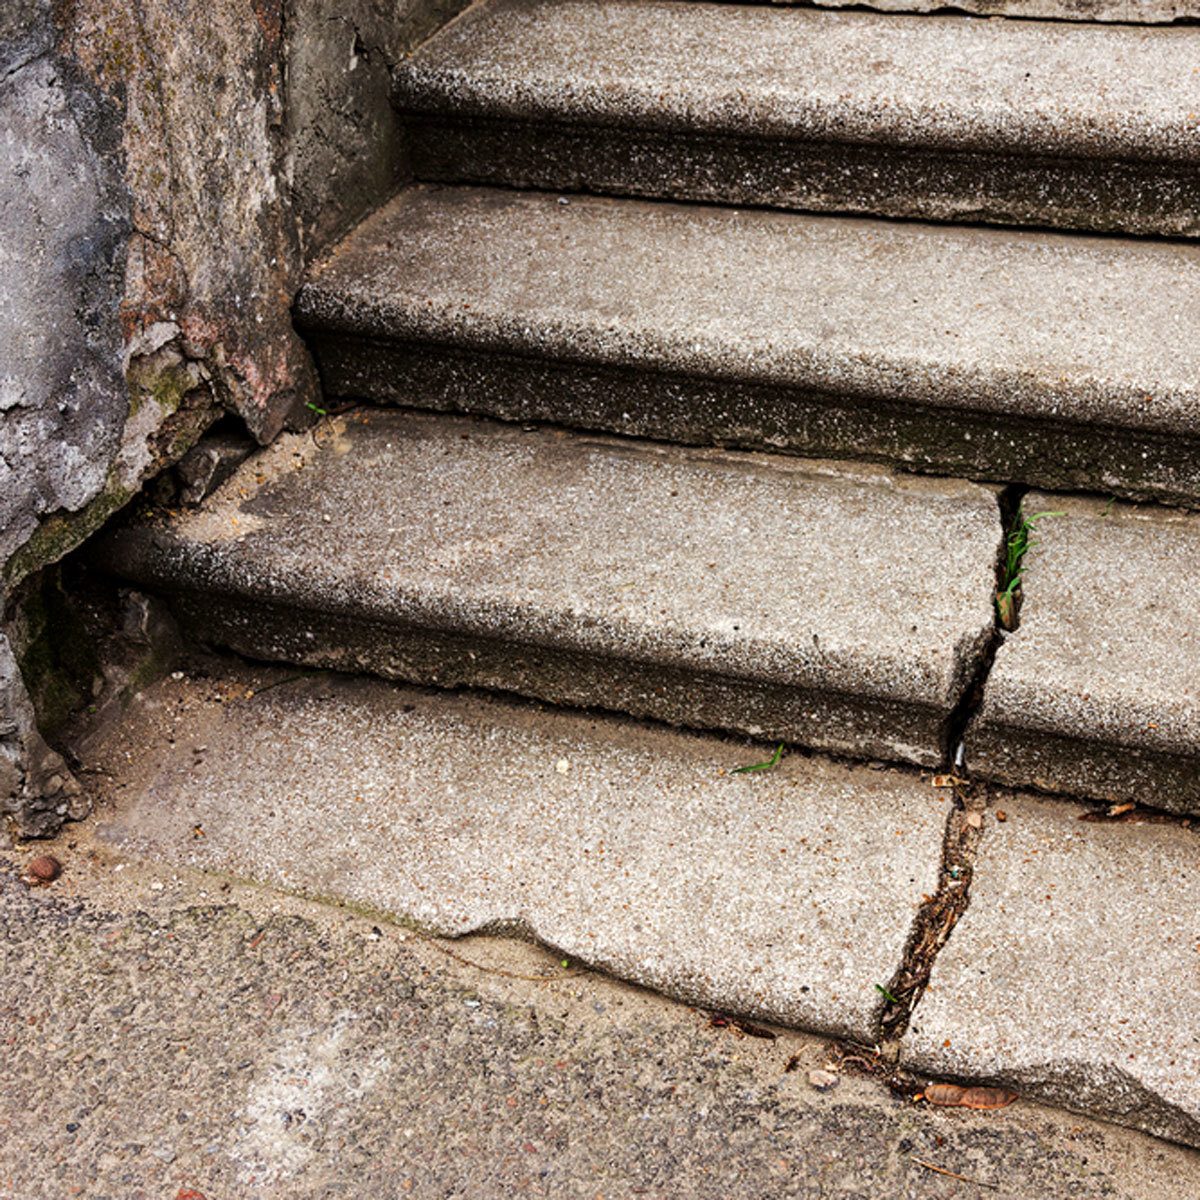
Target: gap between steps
x=940 y=913
x=951 y=9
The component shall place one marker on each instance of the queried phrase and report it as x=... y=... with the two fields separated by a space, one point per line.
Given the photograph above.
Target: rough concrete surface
x=63 y=216
x=1097 y=693
x=145 y=248
x=1082 y=126
x=787 y=896
x=346 y=149
x=168 y=1034
x=711 y=589
x=1072 y=975
x=149 y=248
x=997 y=354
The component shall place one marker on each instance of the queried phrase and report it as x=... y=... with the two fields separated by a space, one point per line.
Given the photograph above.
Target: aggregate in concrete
x=1097 y=693
x=839 y=607
x=1063 y=361
x=787 y=895
x=1072 y=974
x=172 y=1035
x=1082 y=126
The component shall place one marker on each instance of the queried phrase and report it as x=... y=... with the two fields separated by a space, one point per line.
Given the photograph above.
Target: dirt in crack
x=939 y=913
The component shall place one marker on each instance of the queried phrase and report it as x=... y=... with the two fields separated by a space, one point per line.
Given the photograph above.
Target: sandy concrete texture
x=1071 y=975
x=785 y=895
x=709 y=589
x=1097 y=693
x=168 y=1033
x=1026 y=122
x=995 y=354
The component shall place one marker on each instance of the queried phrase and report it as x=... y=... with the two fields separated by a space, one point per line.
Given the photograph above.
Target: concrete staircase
x=475 y=523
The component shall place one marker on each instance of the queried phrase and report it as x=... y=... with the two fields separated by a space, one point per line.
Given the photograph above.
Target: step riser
x=906 y=182
x=840 y=725
x=1070 y=767
x=663 y=405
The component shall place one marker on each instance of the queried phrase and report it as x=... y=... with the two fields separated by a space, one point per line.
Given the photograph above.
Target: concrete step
x=1027 y=122
x=1066 y=362
x=1097 y=693
x=842 y=608
x=1068 y=978
x=785 y=896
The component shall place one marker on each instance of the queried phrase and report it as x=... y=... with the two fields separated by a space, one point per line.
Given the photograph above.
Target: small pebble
x=562 y=766
x=44 y=869
x=823 y=1081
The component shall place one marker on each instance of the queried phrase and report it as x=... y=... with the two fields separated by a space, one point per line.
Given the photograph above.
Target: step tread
x=758 y=571
x=1058 y=327
x=1063 y=978
x=948 y=81
x=786 y=896
x=1098 y=691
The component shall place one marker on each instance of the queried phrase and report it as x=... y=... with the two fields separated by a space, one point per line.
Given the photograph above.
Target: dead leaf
x=946 y=781
x=952 y=1095
x=725 y=1021
x=1006 y=609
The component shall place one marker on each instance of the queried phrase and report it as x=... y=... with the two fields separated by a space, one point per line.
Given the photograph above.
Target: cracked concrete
x=1070 y=975
x=345 y=1058
x=1097 y=693
x=799 y=896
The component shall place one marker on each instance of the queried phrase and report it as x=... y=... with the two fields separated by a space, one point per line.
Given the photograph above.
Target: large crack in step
x=941 y=912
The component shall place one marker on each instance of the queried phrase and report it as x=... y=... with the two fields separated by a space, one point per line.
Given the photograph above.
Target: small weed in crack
x=1017 y=544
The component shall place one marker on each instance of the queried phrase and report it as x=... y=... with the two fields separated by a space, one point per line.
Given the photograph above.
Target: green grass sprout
x=773 y=761
x=1017 y=544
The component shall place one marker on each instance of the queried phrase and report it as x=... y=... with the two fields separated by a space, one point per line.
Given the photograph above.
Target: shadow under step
x=947 y=118
x=1135 y=12
x=1066 y=362
x=836 y=607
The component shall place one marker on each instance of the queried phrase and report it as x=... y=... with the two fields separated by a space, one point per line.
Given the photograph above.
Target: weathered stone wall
x=164 y=164
x=346 y=152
